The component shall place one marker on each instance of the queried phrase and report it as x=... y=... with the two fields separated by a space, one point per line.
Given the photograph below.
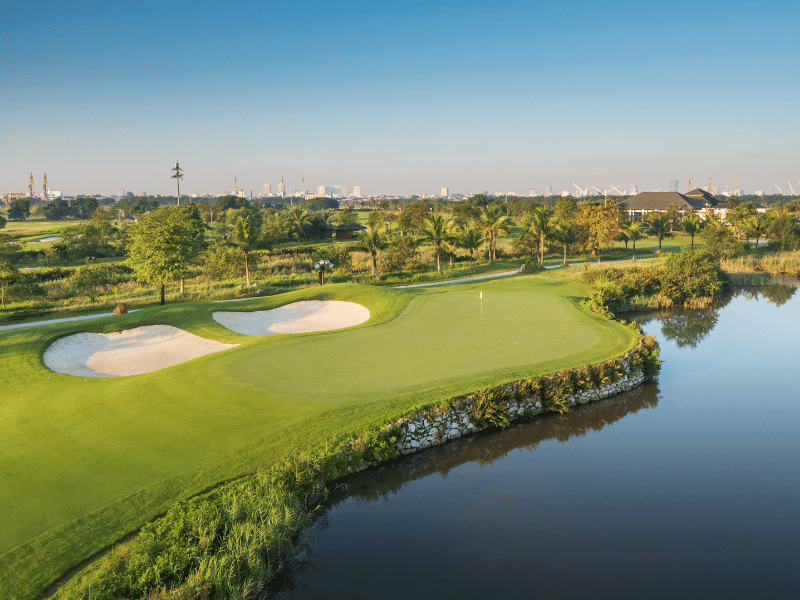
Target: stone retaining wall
x=435 y=427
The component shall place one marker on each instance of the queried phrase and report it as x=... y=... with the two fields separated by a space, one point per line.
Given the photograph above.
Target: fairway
x=84 y=461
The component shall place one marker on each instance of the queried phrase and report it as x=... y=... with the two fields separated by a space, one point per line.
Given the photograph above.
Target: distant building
x=445 y=192
x=641 y=204
x=549 y=191
x=634 y=190
x=267 y=189
x=532 y=193
x=759 y=192
x=357 y=191
x=673 y=185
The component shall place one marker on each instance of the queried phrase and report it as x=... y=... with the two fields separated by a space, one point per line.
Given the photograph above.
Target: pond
x=688 y=486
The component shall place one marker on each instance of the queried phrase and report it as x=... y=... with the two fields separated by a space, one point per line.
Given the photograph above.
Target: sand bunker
x=130 y=352
x=298 y=317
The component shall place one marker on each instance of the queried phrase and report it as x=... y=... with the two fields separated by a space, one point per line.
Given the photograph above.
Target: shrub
x=489 y=408
x=691 y=274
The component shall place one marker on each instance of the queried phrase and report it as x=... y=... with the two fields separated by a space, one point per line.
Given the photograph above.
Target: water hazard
x=688 y=486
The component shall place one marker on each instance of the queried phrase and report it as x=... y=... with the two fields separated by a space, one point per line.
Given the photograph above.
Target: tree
x=692 y=225
x=372 y=240
x=82 y=207
x=8 y=275
x=564 y=209
x=782 y=228
x=298 y=223
x=493 y=224
x=659 y=225
x=537 y=225
x=412 y=217
x=596 y=225
x=673 y=214
x=159 y=247
x=438 y=231
x=756 y=226
x=57 y=209
x=19 y=209
x=91 y=280
x=471 y=239
x=243 y=235
x=565 y=235
x=348 y=216
x=3 y=221
x=177 y=177
x=633 y=231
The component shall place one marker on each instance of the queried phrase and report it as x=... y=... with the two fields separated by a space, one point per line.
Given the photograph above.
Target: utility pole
x=178 y=176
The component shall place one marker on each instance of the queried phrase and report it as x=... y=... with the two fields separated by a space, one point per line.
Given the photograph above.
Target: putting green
x=83 y=461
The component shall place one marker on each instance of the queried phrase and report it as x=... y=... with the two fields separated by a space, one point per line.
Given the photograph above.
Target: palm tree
x=756 y=225
x=659 y=226
x=242 y=234
x=692 y=225
x=299 y=222
x=633 y=230
x=372 y=240
x=565 y=235
x=471 y=239
x=438 y=231
x=537 y=225
x=493 y=224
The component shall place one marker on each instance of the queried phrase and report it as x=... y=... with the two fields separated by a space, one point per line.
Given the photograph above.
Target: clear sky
x=398 y=97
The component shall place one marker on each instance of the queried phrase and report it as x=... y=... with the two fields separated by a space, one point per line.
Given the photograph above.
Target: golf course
x=85 y=461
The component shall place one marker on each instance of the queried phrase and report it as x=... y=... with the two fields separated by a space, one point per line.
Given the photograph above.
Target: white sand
x=298 y=317
x=130 y=352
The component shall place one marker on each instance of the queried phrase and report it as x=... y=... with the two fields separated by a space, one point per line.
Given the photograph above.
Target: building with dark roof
x=346 y=231
x=647 y=202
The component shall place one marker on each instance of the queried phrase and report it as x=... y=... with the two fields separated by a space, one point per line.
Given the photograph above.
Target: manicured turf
x=85 y=461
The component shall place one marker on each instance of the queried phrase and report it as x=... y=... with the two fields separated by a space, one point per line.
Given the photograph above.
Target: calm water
x=687 y=487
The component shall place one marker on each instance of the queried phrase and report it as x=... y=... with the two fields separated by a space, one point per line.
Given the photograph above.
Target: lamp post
x=321 y=266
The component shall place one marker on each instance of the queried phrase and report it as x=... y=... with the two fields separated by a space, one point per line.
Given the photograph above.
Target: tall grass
x=779 y=263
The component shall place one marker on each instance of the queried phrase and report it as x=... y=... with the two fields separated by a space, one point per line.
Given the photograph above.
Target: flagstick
x=481 y=303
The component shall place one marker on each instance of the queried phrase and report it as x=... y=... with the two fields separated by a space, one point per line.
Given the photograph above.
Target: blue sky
x=400 y=97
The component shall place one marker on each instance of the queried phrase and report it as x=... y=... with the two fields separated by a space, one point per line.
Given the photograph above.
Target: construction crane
x=619 y=191
x=44 y=188
x=604 y=192
x=736 y=190
x=581 y=192
x=30 y=187
x=790 y=186
x=780 y=191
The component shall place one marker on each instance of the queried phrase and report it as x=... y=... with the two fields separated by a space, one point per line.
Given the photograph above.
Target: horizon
x=478 y=98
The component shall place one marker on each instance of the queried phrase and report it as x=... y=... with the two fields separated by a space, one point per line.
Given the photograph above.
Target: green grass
x=85 y=461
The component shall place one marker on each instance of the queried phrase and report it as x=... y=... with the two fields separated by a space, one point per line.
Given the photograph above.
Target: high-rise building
x=531 y=193
x=267 y=188
x=634 y=190
x=320 y=190
x=673 y=185
x=549 y=190
x=282 y=188
x=357 y=191
x=445 y=192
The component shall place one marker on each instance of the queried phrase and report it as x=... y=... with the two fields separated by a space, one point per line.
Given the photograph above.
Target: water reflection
x=385 y=481
x=487 y=447
x=688 y=327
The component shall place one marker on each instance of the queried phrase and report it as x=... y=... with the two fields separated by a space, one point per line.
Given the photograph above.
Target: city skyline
x=438 y=95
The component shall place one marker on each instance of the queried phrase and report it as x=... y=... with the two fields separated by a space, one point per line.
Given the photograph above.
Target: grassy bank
x=87 y=461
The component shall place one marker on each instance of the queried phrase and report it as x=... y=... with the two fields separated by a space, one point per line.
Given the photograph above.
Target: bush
x=489 y=408
x=691 y=274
